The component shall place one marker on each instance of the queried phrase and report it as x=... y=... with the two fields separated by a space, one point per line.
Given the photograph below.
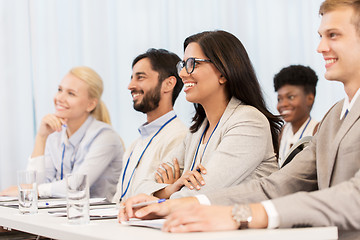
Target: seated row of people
x=229 y=153
x=233 y=138
x=311 y=189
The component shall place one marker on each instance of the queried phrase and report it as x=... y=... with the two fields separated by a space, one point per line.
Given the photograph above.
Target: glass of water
x=27 y=192
x=77 y=198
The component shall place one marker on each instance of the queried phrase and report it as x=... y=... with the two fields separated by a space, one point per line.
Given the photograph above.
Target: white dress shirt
x=289 y=138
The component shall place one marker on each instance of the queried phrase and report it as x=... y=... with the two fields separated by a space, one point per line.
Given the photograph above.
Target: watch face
x=242 y=215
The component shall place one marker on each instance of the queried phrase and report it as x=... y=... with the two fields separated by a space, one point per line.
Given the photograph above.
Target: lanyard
x=305 y=128
x=299 y=137
x=71 y=163
x=62 y=163
x=197 y=149
x=127 y=163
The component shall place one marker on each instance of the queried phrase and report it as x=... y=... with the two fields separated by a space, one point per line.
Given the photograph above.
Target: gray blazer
x=240 y=149
x=327 y=172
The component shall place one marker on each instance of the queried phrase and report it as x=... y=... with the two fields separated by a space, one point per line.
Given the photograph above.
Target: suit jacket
x=324 y=178
x=240 y=149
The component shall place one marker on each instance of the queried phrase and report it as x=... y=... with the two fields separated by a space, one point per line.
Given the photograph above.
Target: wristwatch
x=241 y=214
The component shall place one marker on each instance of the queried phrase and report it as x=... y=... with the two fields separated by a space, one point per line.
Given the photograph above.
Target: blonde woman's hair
x=95 y=90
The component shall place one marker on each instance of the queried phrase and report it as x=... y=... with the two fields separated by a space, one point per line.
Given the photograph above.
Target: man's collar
x=148 y=129
x=348 y=104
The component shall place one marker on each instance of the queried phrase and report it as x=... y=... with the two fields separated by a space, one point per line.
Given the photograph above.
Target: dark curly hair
x=297 y=75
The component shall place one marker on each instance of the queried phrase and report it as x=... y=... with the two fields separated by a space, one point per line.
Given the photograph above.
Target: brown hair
x=229 y=56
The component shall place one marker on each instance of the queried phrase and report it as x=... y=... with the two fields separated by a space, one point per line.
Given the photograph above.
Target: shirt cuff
x=44 y=190
x=36 y=164
x=273 y=215
x=203 y=200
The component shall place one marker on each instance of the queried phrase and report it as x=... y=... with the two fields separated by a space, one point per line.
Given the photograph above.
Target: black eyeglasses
x=189 y=64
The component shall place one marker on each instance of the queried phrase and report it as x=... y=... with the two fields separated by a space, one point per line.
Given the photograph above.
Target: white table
x=56 y=227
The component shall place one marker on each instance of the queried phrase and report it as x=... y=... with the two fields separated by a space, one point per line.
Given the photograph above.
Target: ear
x=92 y=104
x=310 y=98
x=222 y=80
x=168 y=84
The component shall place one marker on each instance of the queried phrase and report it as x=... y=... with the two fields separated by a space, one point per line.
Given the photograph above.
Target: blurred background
x=41 y=40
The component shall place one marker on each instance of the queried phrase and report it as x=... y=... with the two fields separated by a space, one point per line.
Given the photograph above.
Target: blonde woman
x=77 y=138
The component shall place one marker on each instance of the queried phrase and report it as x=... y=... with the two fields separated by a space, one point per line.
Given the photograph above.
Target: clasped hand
x=191 y=179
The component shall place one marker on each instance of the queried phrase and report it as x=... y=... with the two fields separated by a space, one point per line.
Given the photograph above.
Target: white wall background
x=40 y=40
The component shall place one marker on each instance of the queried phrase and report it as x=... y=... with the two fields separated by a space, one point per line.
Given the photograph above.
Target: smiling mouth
x=188 y=85
x=285 y=112
x=59 y=107
x=329 y=61
x=135 y=95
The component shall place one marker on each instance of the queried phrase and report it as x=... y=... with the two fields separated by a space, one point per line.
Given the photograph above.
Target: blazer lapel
x=346 y=124
x=229 y=111
x=230 y=108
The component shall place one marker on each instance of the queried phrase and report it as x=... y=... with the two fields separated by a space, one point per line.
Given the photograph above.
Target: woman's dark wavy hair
x=229 y=56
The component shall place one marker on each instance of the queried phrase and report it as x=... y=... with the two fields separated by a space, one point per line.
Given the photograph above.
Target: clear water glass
x=77 y=199
x=27 y=192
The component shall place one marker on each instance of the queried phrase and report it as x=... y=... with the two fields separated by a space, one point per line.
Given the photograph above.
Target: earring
x=222 y=80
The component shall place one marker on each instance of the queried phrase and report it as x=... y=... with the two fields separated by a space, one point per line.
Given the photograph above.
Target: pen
x=143 y=204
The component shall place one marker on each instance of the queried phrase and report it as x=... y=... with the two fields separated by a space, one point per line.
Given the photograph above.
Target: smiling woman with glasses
x=233 y=137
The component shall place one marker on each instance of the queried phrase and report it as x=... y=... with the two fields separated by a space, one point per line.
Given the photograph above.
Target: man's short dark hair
x=297 y=75
x=164 y=62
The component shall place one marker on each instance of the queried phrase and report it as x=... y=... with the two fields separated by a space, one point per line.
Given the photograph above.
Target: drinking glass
x=27 y=192
x=77 y=198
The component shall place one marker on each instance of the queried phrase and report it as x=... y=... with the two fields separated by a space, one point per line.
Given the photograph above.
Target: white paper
x=109 y=212
x=156 y=223
x=62 y=202
x=7 y=198
x=51 y=203
x=97 y=200
x=58 y=213
x=104 y=212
